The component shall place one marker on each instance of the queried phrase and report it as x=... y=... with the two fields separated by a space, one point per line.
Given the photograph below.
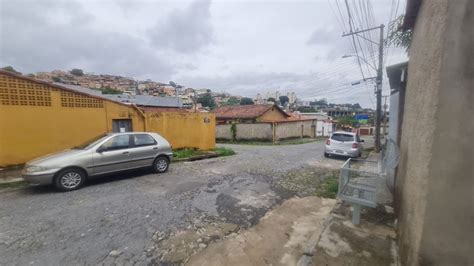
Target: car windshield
x=342 y=137
x=86 y=145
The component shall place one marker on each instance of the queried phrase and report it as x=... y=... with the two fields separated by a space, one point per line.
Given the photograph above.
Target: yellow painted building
x=37 y=118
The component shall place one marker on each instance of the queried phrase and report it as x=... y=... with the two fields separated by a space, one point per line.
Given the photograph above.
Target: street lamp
x=361 y=58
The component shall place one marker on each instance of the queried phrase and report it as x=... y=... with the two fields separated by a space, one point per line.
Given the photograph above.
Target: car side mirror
x=100 y=150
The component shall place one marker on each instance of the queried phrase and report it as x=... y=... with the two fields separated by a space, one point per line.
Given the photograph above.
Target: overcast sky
x=240 y=47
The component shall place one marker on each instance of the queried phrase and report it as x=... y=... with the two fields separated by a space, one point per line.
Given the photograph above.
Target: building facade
x=37 y=118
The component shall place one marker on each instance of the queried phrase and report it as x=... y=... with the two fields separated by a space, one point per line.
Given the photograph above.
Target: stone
x=114 y=253
x=202 y=245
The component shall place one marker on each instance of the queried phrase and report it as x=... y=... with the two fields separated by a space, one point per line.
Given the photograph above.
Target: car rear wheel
x=161 y=164
x=70 y=179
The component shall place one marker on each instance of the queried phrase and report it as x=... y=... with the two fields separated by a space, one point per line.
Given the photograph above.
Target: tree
x=206 y=100
x=56 y=79
x=10 y=69
x=284 y=100
x=397 y=36
x=109 y=90
x=77 y=72
x=271 y=99
x=348 y=121
x=232 y=101
x=246 y=101
x=356 y=106
x=172 y=84
x=305 y=109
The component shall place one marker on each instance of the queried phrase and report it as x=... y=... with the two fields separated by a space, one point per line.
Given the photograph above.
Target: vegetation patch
x=303 y=182
x=190 y=153
x=13 y=185
x=328 y=187
x=222 y=151
x=186 y=153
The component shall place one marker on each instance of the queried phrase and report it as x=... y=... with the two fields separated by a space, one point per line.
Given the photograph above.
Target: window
x=342 y=137
x=143 y=140
x=116 y=143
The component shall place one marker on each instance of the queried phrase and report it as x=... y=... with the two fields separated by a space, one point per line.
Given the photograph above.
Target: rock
x=114 y=253
x=199 y=240
x=202 y=245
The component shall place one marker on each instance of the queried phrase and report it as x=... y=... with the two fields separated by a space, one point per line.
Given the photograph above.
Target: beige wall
x=295 y=129
x=434 y=192
x=267 y=131
x=256 y=131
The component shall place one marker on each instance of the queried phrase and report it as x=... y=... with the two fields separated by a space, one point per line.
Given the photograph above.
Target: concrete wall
x=295 y=129
x=324 y=129
x=39 y=126
x=246 y=131
x=268 y=131
x=185 y=130
x=434 y=192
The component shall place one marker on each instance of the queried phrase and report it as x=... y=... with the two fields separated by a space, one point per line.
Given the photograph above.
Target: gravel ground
x=117 y=219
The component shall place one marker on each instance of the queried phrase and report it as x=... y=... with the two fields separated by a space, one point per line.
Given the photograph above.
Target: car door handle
x=155 y=148
x=125 y=152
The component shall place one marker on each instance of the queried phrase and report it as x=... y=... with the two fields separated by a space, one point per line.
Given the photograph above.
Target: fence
x=360 y=182
x=271 y=131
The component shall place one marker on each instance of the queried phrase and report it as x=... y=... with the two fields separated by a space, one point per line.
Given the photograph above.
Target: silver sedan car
x=109 y=153
x=343 y=144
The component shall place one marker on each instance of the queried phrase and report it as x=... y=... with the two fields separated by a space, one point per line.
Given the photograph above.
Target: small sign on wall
x=207 y=120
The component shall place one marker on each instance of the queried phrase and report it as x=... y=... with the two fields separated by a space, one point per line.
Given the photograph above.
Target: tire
x=161 y=164
x=70 y=179
x=326 y=155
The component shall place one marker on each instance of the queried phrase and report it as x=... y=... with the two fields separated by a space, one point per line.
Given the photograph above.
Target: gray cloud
x=32 y=42
x=185 y=31
x=331 y=38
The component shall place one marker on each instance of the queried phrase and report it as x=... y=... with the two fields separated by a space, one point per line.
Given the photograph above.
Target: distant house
x=250 y=114
x=138 y=100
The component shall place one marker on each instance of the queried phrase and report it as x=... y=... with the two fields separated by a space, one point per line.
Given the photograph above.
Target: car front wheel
x=161 y=164
x=70 y=179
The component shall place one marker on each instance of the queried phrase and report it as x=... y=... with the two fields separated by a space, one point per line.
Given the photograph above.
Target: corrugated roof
x=141 y=100
x=245 y=111
x=146 y=100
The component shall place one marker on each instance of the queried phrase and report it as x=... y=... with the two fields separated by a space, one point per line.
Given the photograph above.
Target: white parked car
x=343 y=144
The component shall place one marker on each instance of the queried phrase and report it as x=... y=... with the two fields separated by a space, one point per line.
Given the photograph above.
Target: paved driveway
x=123 y=212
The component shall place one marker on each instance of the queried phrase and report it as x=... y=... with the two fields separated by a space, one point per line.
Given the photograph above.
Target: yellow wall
x=185 y=130
x=272 y=115
x=28 y=131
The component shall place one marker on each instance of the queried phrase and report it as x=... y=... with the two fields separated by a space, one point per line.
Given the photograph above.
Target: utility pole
x=378 y=81
x=385 y=116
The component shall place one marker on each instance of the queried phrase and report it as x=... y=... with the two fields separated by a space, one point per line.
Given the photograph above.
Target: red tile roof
x=245 y=111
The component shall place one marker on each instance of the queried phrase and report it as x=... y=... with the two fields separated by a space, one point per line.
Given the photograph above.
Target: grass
x=13 y=185
x=222 y=151
x=186 y=153
x=189 y=152
x=329 y=187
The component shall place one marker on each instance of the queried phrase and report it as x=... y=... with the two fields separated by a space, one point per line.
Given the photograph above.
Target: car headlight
x=34 y=169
